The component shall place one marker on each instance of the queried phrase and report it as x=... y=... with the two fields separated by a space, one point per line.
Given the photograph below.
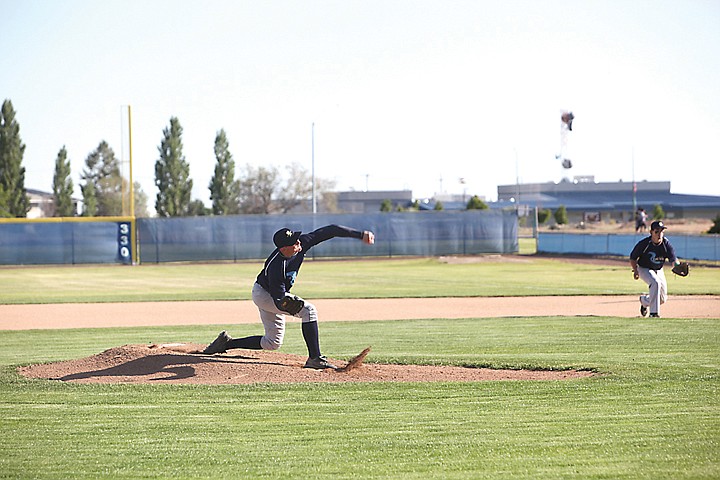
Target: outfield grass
x=369 y=278
x=654 y=412
x=527 y=245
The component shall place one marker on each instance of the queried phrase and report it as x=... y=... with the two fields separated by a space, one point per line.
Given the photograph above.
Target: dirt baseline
x=228 y=312
x=180 y=363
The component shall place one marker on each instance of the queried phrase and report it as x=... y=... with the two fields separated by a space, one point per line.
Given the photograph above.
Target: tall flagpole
x=634 y=185
x=314 y=199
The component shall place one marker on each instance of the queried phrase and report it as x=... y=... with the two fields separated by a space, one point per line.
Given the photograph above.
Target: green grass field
x=370 y=278
x=653 y=412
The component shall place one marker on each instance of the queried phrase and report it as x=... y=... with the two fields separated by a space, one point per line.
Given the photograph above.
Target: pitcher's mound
x=182 y=363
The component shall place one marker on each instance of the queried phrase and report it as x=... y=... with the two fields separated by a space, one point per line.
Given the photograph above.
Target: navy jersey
x=649 y=255
x=279 y=273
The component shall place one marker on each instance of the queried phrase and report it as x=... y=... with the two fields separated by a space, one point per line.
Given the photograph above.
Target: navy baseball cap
x=657 y=225
x=285 y=237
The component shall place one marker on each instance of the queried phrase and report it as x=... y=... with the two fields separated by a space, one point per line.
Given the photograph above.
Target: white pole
x=517 y=183
x=314 y=199
x=634 y=185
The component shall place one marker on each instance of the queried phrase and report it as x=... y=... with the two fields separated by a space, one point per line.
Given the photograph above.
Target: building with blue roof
x=586 y=199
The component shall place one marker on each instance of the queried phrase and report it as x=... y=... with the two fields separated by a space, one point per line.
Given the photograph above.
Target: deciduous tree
x=141 y=201
x=296 y=189
x=257 y=186
x=102 y=170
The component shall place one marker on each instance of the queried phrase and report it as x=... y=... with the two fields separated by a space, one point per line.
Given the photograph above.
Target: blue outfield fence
x=49 y=243
x=690 y=247
x=397 y=234
x=191 y=239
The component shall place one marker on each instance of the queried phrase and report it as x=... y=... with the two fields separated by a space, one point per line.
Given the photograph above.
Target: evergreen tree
x=63 y=186
x=102 y=170
x=543 y=215
x=4 y=212
x=12 y=174
x=561 y=217
x=224 y=189
x=172 y=174
x=476 y=203
x=716 y=225
x=658 y=212
x=90 y=203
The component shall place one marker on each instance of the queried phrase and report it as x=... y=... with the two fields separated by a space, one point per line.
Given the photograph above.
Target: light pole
x=634 y=187
x=314 y=199
x=517 y=184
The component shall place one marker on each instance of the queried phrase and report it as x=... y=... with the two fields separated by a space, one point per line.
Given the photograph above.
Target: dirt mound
x=180 y=363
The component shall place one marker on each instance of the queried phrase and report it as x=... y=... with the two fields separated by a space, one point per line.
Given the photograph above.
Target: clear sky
x=402 y=94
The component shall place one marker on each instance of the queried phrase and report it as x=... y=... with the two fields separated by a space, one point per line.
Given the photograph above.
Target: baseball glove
x=292 y=304
x=682 y=269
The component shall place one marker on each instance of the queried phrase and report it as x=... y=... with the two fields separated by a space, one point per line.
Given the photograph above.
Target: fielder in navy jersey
x=647 y=260
x=274 y=283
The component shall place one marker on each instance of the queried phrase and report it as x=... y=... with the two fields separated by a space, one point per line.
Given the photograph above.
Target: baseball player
x=271 y=294
x=647 y=260
x=640 y=220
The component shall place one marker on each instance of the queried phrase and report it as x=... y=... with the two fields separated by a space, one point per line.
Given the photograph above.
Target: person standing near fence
x=271 y=294
x=647 y=260
x=640 y=220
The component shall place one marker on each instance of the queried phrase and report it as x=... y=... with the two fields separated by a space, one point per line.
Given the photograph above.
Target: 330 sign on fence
x=124 y=242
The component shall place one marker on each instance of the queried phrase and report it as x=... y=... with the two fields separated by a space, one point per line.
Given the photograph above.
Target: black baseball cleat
x=319 y=363
x=655 y=315
x=643 y=311
x=218 y=345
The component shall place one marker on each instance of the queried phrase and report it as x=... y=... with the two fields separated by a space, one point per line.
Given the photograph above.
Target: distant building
x=42 y=204
x=370 y=201
x=450 y=201
x=587 y=200
x=357 y=201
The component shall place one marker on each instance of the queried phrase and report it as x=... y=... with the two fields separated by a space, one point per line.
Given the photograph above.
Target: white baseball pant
x=273 y=319
x=657 y=283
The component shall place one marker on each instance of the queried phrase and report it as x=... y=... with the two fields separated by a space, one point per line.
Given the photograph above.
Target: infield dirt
x=176 y=362
x=93 y=315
